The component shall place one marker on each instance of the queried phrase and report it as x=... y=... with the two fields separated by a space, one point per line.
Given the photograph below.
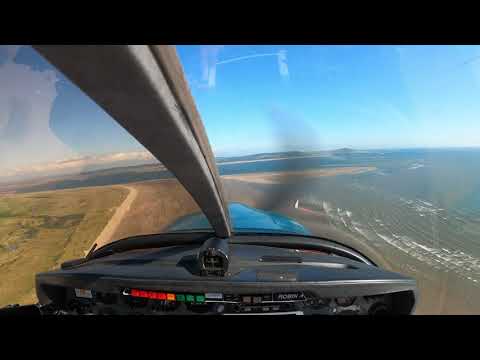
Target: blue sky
x=335 y=96
x=260 y=99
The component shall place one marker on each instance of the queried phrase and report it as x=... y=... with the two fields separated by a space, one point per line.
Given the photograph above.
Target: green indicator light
x=200 y=298
x=180 y=297
x=190 y=298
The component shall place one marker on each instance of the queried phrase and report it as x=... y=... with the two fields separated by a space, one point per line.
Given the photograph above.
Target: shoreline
x=105 y=236
x=269 y=159
x=277 y=177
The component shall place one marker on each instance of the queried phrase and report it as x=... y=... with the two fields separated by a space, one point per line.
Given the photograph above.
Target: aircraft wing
x=143 y=88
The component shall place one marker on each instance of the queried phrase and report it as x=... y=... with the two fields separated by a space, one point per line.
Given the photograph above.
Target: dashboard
x=215 y=278
x=143 y=302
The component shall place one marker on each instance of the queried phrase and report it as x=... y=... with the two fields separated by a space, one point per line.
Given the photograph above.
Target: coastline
x=288 y=176
x=106 y=235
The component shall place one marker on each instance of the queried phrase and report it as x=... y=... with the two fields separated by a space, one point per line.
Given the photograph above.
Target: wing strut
x=143 y=88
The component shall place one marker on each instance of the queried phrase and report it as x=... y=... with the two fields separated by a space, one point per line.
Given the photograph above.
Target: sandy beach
x=291 y=176
x=106 y=235
x=268 y=159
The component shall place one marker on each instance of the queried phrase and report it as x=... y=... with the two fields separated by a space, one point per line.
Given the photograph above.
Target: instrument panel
x=146 y=302
x=244 y=279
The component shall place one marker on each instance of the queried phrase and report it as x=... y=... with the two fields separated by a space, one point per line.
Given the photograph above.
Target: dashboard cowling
x=324 y=279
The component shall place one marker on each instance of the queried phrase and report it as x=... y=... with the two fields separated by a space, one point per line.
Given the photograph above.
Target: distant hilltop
x=144 y=172
x=343 y=151
x=261 y=156
x=285 y=154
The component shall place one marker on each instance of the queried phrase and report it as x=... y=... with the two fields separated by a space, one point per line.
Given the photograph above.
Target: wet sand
x=293 y=176
x=268 y=159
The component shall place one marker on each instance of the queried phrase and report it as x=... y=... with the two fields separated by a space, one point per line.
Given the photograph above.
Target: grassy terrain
x=39 y=231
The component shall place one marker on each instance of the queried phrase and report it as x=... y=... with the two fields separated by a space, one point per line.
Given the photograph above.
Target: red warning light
x=152 y=295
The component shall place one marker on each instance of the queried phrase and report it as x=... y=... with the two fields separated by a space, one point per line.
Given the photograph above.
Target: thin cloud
x=281 y=59
x=209 y=58
x=78 y=164
x=245 y=57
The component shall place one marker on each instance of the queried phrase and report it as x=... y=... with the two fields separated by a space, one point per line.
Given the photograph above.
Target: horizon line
x=354 y=149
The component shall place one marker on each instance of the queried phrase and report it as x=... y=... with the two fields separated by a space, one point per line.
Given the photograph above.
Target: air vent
x=213 y=257
x=213 y=265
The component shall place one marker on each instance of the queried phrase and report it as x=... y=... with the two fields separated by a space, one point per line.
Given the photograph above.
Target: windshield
x=71 y=177
x=375 y=147
x=372 y=146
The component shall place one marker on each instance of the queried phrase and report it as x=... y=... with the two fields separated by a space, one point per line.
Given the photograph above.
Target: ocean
x=420 y=208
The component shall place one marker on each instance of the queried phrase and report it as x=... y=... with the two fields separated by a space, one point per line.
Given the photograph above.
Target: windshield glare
x=375 y=147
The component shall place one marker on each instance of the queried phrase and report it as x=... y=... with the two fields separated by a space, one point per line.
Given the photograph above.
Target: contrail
x=209 y=71
x=471 y=60
x=246 y=57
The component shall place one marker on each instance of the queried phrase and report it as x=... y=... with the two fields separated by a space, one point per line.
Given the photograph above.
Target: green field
x=39 y=231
